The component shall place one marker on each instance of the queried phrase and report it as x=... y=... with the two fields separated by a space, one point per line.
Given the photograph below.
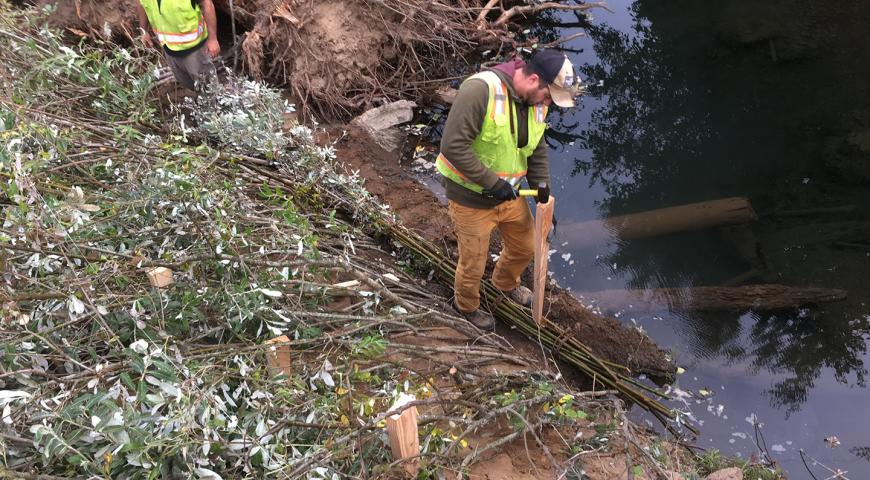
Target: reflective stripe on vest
x=540 y=113
x=179 y=38
x=496 y=143
x=512 y=178
x=500 y=100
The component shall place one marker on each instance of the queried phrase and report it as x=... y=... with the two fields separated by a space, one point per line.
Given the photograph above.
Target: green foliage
x=370 y=346
x=244 y=116
x=110 y=83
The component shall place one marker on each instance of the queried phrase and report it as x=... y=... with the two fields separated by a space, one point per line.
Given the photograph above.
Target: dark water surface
x=694 y=101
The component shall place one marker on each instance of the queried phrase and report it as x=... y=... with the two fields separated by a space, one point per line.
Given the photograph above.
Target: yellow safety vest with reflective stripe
x=179 y=24
x=496 y=144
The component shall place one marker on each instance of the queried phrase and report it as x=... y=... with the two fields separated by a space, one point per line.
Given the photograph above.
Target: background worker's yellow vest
x=496 y=145
x=179 y=24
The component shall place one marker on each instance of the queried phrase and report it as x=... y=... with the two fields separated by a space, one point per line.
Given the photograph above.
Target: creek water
x=695 y=101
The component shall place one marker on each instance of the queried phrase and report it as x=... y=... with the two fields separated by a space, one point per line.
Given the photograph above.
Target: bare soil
x=106 y=20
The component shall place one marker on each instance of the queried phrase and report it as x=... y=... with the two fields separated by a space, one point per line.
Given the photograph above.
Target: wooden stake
x=404 y=438
x=160 y=277
x=278 y=356
x=543 y=224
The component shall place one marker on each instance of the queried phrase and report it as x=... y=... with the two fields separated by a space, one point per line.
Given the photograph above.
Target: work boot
x=478 y=318
x=521 y=295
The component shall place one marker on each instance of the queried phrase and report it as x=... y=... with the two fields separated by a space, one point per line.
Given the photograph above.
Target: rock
x=732 y=473
x=380 y=123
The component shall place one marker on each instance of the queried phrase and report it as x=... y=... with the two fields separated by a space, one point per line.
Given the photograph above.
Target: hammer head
x=543 y=192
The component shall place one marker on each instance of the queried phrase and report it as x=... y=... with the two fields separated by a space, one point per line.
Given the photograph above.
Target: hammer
x=542 y=192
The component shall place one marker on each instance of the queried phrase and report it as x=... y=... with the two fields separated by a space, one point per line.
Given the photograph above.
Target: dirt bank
x=390 y=180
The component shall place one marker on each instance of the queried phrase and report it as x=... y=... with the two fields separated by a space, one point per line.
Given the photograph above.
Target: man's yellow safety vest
x=496 y=144
x=179 y=24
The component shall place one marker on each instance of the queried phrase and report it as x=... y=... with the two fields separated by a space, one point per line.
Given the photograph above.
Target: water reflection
x=684 y=120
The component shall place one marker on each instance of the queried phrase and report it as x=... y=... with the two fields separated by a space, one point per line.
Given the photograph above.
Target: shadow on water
x=695 y=101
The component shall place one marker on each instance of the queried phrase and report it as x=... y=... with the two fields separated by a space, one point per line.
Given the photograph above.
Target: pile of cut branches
x=105 y=374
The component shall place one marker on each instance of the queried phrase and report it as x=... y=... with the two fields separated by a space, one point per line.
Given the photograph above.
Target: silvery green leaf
x=75 y=306
x=7 y=412
x=261 y=429
x=139 y=346
x=133 y=459
x=270 y=293
x=7 y=396
x=327 y=378
x=207 y=474
x=170 y=389
x=239 y=444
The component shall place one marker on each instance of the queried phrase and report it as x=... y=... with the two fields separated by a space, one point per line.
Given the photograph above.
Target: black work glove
x=503 y=191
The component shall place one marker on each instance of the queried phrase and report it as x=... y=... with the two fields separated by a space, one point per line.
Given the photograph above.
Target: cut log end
x=404 y=437
x=279 y=356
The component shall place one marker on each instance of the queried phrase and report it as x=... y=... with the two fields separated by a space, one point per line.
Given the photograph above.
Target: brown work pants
x=473 y=227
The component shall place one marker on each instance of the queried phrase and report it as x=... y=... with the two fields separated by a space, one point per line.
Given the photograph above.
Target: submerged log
x=683 y=218
x=749 y=297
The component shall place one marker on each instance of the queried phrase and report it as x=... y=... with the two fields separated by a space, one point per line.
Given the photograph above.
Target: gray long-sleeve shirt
x=464 y=124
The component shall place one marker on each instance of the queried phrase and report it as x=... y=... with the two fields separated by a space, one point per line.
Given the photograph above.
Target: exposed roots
x=341 y=57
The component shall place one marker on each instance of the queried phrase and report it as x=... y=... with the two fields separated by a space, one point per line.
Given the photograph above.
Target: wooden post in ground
x=404 y=438
x=278 y=356
x=543 y=224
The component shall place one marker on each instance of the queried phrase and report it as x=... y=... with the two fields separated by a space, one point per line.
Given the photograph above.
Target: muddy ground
x=391 y=180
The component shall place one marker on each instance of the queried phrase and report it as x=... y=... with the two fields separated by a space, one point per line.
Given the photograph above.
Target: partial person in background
x=187 y=31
